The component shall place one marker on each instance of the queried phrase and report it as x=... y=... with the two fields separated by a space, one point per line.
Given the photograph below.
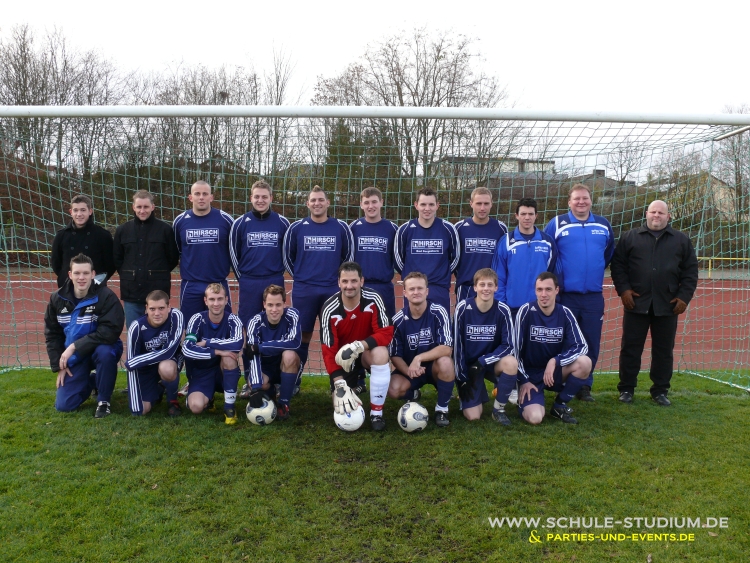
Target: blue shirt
x=484 y=337
x=539 y=338
x=272 y=340
x=373 y=249
x=314 y=251
x=584 y=251
x=478 y=246
x=148 y=346
x=257 y=245
x=518 y=262
x=203 y=242
x=227 y=335
x=434 y=251
x=412 y=337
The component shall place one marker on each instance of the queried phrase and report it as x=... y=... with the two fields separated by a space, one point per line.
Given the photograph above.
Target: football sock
x=408 y=396
x=287 y=387
x=505 y=385
x=571 y=387
x=380 y=378
x=172 y=387
x=302 y=352
x=444 y=393
x=231 y=379
x=246 y=365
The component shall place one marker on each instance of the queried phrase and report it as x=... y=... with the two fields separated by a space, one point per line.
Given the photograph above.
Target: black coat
x=658 y=269
x=92 y=240
x=145 y=253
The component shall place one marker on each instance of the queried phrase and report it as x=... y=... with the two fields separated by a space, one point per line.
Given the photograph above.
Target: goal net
x=701 y=170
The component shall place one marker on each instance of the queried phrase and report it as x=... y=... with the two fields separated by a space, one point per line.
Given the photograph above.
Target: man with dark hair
x=430 y=245
x=273 y=338
x=355 y=331
x=655 y=272
x=585 y=244
x=145 y=253
x=82 y=326
x=422 y=347
x=521 y=256
x=551 y=352
x=82 y=236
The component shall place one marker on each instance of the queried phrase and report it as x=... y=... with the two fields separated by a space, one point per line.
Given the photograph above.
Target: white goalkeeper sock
x=380 y=378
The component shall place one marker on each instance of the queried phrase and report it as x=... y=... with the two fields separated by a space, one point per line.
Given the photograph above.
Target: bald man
x=655 y=272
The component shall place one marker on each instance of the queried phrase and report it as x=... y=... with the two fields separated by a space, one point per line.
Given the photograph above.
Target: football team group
x=528 y=315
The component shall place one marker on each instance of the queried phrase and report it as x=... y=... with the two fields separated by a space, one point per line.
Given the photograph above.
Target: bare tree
x=626 y=160
x=733 y=163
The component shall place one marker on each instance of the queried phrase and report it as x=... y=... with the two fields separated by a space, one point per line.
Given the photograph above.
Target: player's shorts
x=537 y=395
x=205 y=376
x=271 y=367
x=143 y=385
x=479 y=394
x=440 y=295
x=251 y=296
x=425 y=379
x=308 y=300
x=387 y=293
x=464 y=291
x=191 y=298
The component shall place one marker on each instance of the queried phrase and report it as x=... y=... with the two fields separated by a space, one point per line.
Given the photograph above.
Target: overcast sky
x=648 y=56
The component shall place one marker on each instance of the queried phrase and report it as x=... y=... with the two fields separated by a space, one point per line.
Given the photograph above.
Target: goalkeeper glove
x=348 y=354
x=252 y=349
x=344 y=399
x=475 y=370
x=464 y=390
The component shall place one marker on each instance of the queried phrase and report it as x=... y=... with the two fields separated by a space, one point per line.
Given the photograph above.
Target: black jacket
x=145 y=253
x=92 y=240
x=95 y=319
x=659 y=269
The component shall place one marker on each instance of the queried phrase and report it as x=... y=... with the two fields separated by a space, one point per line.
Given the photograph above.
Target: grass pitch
x=73 y=488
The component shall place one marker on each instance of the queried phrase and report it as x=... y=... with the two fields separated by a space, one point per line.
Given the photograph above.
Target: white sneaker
x=184 y=390
x=513 y=397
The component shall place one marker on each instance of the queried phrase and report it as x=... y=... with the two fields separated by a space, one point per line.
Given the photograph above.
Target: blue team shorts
x=308 y=300
x=422 y=380
x=251 y=296
x=143 y=384
x=479 y=394
x=537 y=396
x=387 y=293
x=205 y=376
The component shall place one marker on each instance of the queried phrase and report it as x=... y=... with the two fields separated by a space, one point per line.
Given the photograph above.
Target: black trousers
x=635 y=328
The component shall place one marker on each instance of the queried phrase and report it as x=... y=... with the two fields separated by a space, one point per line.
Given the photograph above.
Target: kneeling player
x=355 y=331
x=483 y=349
x=551 y=353
x=154 y=355
x=273 y=338
x=422 y=347
x=212 y=347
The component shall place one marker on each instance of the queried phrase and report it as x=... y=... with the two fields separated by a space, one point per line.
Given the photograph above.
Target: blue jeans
x=133 y=312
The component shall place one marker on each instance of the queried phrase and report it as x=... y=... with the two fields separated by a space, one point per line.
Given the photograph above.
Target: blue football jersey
x=478 y=245
x=148 y=345
x=257 y=245
x=314 y=251
x=272 y=340
x=415 y=336
x=434 y=251
x=203 y=243
x=373 y=249
x=227 y=335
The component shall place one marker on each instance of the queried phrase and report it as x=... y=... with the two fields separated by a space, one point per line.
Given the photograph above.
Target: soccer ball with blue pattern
x=413 y=417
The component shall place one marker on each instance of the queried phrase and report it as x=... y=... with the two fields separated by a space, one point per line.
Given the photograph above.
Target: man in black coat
x=82 y=236
x=145 y=253
x=655 y=272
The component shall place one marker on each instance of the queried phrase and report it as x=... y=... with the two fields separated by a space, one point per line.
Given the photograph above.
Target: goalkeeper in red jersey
x=355 y=332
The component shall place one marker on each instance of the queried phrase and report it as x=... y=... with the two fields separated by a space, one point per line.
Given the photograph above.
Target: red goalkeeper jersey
x=338 y=326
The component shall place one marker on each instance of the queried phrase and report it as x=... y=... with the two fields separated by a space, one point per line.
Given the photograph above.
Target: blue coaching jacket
x=585 y=249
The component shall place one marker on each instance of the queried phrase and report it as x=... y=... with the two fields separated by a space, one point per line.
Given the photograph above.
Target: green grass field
x=73 y=488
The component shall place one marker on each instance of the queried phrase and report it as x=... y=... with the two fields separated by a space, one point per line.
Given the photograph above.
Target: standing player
x=314 y=248
x=521 y=257
x=82 y=236
x=422 y=347
x=429 y=245
x=585 y=245
x=154 y=355
x=202 y=236
x=551 y=353
x=82 y=326
x=354 y=331
x=479 y=235
x=273 y=338
x=257 y=252
x=483 y=349
x=212 y=348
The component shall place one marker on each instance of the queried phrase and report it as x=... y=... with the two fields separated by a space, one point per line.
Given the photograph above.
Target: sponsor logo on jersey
x=320 y=244
x=481 y=333
x=598 y=232
x=90 y=309
x=426 y=246
x=262 y=238
x=372 y=244
x=544 y=249
x=157 y=342
x=546 y=334
x=202 y=236
x=421 y=338
x=481 y=245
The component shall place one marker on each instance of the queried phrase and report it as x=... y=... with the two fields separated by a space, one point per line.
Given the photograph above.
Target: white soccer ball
x=350 y=422
x=263 y=415
x=413 y=417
